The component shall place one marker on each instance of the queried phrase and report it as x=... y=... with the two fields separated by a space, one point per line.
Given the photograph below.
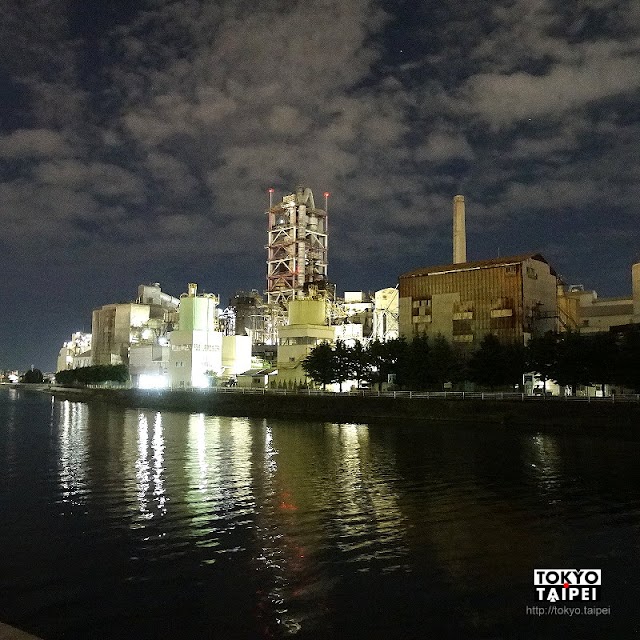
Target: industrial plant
x=261 y=338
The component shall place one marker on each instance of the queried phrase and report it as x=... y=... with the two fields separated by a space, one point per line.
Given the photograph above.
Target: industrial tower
x=297 y=249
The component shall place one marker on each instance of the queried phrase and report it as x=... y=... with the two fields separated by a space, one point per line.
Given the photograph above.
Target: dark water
x=136 y=524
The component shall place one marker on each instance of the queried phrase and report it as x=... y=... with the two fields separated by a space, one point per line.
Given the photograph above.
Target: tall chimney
x=459 y=233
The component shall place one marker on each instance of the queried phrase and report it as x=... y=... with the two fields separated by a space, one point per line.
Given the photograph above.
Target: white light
x=152 y=381
x=200 y=381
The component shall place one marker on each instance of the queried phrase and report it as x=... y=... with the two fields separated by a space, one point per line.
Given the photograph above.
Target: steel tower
x=297 y=249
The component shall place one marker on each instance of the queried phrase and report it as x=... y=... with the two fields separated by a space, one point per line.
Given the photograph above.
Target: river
x=120 y=523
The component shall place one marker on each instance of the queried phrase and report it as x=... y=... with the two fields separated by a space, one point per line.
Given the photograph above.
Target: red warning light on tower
x=326 y=194
x=271 y=190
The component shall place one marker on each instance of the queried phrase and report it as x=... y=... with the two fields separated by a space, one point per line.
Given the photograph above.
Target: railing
x=430 y=395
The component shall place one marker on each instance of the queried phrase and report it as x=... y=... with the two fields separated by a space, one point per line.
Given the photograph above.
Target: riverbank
x=569 y=416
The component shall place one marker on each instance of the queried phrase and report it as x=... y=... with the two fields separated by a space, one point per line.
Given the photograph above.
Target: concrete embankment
x=346 y=408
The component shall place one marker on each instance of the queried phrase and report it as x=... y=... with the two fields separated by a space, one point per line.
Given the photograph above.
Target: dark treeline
x=430 y=364
x=33 y=376
x=93 y=375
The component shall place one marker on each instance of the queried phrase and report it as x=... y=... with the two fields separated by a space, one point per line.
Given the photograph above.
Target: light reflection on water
x=269 y=528
x=73 y=453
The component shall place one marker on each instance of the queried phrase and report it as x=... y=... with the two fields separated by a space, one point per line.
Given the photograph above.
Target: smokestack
x=459 y=233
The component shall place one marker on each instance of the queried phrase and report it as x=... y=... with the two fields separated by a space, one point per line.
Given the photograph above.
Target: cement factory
x=261 y=338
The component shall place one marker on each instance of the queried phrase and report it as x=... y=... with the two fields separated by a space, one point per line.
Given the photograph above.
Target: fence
x=442 y=395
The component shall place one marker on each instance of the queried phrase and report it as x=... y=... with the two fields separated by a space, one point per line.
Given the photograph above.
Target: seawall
x=569 y=416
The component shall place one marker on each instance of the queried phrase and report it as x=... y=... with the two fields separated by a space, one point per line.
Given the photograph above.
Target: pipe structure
x=459 y=232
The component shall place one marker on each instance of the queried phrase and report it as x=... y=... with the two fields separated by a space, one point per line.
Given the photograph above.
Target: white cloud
x=34 y=143
x=444 y=146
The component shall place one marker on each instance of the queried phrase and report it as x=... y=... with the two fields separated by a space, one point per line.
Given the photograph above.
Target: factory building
x=592 y=314
x=352 y=317
x=195 y=342
x=385 y=314
x=307 y=327
x=75 y=353
x=512 y=298
x=168 y=342
x=115 y=327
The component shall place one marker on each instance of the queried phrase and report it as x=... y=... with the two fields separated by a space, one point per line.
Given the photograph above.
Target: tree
x=93 y=375
x=442 y=362
x=601 y=358
x=387 y=358
x=495 y=364
x=342 y=363
x=486 y=362
x=542 y=355
x=33 y=376
x=515 y=363
x=572 y=368
x=417 y=374
x=360 y=363
x=627 y=371
x=319 y=364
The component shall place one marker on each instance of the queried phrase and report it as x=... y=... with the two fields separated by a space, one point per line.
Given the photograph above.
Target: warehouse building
x=512 y=298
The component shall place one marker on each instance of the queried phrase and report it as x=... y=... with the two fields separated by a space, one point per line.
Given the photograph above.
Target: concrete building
x=195 y=357
x=352 y=316
x=115 y=327
x=75 y=353
x=592 y=313
x=236 y=355
x=513 y=298
x=259 y=378
x=149 y=365
x=385 y=314
x=307 y=327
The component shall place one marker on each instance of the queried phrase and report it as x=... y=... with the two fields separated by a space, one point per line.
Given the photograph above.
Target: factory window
x=462 y=327
x=468 y=337
x=501 y=313
x=298 y=340
x=511 y=269
x=532 y=273
x=465 y=307
x=422 y=307
x=502 y=303
x=502 y=322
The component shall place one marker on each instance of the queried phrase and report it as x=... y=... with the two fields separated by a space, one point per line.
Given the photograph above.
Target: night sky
x=138 y=139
